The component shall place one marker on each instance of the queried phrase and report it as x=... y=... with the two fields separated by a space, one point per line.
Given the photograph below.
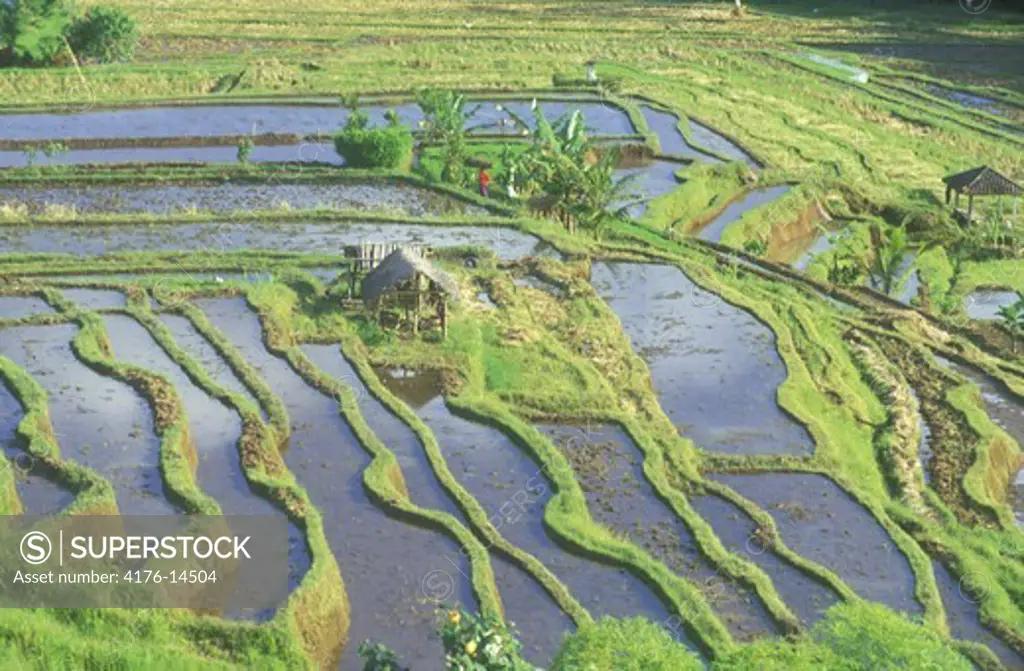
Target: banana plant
x=1011 y=318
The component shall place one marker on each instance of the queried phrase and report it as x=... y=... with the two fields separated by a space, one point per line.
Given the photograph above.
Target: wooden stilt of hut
x=982 y=181
x=405 y=283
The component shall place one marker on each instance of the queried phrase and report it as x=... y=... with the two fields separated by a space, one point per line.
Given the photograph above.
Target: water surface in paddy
x=39 y=495
x=985 y=304
x=288 y=153
x=609 y=468
x=805 y=596
x=99 y=422
x=391 y=569
x=650 y=180
x=514 y=490
x=666 y=126
x=714 y=366
x=820 y=521
x=962 y=615
x=737 y=208
x=507 y=243
x=96 y=299
x=412 y=200
x=199 y=348
x=709 y=139
x=210 y=120
x=17 y=307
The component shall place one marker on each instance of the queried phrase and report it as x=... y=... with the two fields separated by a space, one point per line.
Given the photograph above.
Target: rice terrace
x=636 y=334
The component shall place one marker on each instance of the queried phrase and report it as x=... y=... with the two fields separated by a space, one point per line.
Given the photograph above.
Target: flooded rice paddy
x=38 y=494
x=714 y=366
x=310 y=152
x=98 y=422
x=18 y=307
x=325 y=237
x=962 y=616
x=705 y=137
x=394 y=593
x=215 y=431
x=666 y=126
x=225 y=198
x=805 y=596
x=737 y=208
x=212 y=120
x=514 y=490
x=96 y=299
x=985 y=304
x=821 y=522
x=609 y=467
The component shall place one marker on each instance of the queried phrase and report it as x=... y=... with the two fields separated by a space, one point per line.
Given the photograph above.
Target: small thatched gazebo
x=982 y=181
x=405 y=281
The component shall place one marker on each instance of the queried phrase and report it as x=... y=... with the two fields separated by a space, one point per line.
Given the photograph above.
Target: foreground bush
x=106 y=34
x=389 y=147
x=32 y=31
x=635 y=644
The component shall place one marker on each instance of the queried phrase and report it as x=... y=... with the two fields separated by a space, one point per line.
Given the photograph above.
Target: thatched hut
x=407 y=284
x=981 y=181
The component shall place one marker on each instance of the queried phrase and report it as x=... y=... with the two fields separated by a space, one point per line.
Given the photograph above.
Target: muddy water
x=514 y=491
x=210 y=120
x=508 y=244
x=715 y=368
x=985 y=304
x=805 y=596
x=99 y=422
x=291 y=153
x=609 y=467
x=394 y=573
x=709 y=139
x=666 y=126
x=821 y=244
x=16 y=307
x=962 y=615
x=1008 y=413
x=818 y=520
x=39 y=496
x=736 y=209
x=398 y=197
x=96 y=299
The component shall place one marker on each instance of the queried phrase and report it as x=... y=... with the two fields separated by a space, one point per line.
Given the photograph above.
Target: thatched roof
x=983 y=181
x=400 y=266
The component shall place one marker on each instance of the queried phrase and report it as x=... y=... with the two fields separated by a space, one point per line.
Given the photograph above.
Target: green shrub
x=870 y=636
x=105 y=33
x=776 y=655
x=32 y=31
x=480 y=643
x=363 y=147
x=635 y=644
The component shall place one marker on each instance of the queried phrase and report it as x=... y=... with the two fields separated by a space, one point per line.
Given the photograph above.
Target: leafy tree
x=1011 y=318
x=107 y=34
x=887 y=254
x=364 y=147
x=244 y=149
x=480 y=643
x=32 y=32
x=445 y=119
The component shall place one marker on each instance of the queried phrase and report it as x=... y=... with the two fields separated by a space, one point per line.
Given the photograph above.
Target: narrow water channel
x=98 y=422
x=714 y=366
x=733 y=211
x=609 y=467
x=215 y=430
x=514 y=491
x=395 y=574
x=820 y=521
x=324 y=237
x=38 y=494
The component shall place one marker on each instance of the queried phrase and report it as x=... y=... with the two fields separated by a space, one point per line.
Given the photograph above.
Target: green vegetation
x=106 y=34
x=47 y=32
x=389 y=147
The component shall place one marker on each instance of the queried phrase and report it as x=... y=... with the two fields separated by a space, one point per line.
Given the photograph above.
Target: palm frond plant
x=1011 y=318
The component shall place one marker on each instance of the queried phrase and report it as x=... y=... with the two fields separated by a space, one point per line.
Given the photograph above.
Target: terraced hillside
x=716 y=408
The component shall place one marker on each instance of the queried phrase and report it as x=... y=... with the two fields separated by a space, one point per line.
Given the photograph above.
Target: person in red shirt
x=485 y=182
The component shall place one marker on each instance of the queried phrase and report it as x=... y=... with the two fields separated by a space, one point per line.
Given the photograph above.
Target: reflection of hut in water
x=406 y=289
